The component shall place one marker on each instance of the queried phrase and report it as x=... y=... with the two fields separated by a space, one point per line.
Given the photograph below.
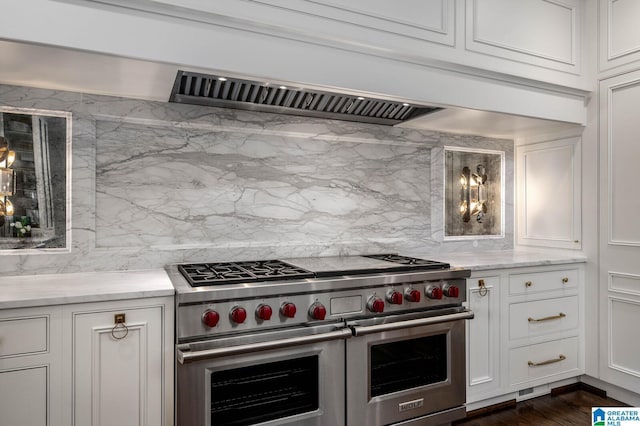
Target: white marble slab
x=57 y=289
x=156 y=183
x=499 y=259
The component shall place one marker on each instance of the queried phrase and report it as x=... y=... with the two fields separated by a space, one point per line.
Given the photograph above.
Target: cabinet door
x=549 y=199
x=24 y=396
x=483 y=338
x=118 y=380
x=619 y=231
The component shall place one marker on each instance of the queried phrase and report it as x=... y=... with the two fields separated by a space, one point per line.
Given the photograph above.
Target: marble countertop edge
x=84 y=287
x=23 y=291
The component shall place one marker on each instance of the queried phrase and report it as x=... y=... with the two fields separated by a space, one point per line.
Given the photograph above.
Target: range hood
x=227 y=92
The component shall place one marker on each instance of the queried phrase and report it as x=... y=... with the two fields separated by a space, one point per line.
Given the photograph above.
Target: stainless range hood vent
x=226 y=92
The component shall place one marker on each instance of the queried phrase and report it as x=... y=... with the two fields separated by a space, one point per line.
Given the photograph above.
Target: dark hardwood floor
x=566 y=409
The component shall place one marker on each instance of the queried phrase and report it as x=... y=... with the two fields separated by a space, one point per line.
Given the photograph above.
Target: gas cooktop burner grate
x=201 y=274
x=410 y=261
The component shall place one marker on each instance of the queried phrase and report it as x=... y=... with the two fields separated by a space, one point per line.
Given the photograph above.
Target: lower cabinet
x=527 y=333
x=90 y=364
x=483 y=337
x=121 y=370
x=30 y=367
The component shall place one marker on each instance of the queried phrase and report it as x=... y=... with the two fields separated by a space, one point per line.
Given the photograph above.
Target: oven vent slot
x=228 y=92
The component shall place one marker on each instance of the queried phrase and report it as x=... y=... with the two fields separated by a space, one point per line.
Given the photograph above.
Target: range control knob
x=317 y=311
x=412 y=295
x=238 y=315
x=433 y=292
x=263 y=312
x=394 y=297
x=210 y=318
x=375 y=304
x=451 y=291
x=288 y=309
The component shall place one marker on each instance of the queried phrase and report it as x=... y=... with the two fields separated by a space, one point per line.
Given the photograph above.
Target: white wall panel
x=619 y=32
x=624 y=283
x=624 y=336
x=624 y=152
x=512 y=30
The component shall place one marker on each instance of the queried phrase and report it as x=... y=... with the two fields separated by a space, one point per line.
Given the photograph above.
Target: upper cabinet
x=619 y=33
x=504 y=28
x=499 y=37
x=549 y=217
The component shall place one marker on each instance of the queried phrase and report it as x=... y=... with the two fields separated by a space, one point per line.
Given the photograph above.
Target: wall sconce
x=473 y=196
x=7 y=179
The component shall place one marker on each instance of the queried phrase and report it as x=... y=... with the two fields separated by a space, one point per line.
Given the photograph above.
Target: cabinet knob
x=565 y=280
x=528 y=283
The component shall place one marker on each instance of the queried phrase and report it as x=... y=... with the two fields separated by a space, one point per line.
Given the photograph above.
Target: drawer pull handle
x=528 y=283
x=483 y=288
x=120 y=329
x=565 y=280
x=554 y=317
x=549 y=361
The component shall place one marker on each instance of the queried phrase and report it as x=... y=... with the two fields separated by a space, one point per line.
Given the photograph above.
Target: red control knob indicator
x=451 y=291
x=288 y=310
x=238 y=315
x=317 y=311
x=375 y=304
x=264 y=312
x=434 y=292
x=412 y=295
x=210 y=318
x=394 y=297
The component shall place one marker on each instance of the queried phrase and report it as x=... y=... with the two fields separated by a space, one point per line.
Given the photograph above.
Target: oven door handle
x=379 y=328
x=186 y=357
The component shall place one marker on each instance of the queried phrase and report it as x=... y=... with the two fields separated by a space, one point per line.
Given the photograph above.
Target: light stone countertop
x=58 y=289
x=500 y=259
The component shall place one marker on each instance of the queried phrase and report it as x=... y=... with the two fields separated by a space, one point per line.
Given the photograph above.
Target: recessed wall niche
x=473 y=193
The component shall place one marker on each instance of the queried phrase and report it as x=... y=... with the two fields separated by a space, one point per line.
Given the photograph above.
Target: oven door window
x=259 y=393
x=408 y=364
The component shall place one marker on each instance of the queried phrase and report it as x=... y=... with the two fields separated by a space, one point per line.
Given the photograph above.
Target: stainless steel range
x=355 y=340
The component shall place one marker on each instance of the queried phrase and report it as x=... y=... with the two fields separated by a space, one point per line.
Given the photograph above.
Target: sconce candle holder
x=473 y=194
x=7 y=179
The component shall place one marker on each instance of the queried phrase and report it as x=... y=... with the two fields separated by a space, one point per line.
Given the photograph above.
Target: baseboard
x=573 y=387
x=490 y=409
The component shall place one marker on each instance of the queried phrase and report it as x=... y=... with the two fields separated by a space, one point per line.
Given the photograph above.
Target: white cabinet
x=122 y=363
x=483 y=337
x=30 y=367
x=544 y=336
x=619 y=33
x=504 y=28
x=619 y=276
x=549 y=193
x=528 y=331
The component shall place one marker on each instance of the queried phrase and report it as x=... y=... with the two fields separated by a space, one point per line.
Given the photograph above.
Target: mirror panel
x=35 y=176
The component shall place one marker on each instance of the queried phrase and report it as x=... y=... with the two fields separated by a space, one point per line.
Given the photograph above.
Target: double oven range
x=353 y=340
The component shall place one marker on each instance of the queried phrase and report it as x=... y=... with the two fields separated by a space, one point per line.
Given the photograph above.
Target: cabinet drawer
x=543 y=360
x=23 y=336
x=535 y=282
x=530 y=319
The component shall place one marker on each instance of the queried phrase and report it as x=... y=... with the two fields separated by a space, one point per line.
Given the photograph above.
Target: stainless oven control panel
x=219 y=317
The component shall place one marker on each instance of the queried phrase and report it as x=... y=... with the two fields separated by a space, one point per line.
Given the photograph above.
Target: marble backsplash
x=156 y=183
